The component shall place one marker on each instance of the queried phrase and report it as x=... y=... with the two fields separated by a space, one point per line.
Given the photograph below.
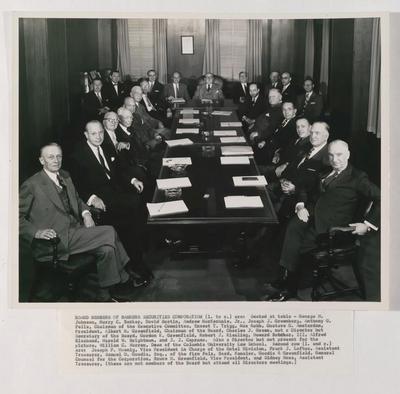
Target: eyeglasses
x=112 y=120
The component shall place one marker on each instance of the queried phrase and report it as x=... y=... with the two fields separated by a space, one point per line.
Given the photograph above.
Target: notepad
x=242 y=150
x=221 y=113
x=189 y=111
x=187 y=131
x=231 y=124
x=224 y=133
x=182 y=141
x=172 y=161
x=229 y=160
x=172 y=183
x=250 y=180
x=243 y=202
x=167 y=208
x=189 y=121
x=232 y=140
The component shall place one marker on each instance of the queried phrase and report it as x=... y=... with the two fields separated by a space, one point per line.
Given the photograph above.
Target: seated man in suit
x=50 y=207
x=269 y=120
x=103 y=185
x=209 y=92
x=156 y=88
x=289 y=91
x=94 y=104
x=114 y=90
x=333 y=203
x=155 y=110
x=284 y=135
x=176 y=89
x=149 y=121
x=253 y=106
x=141 y=149
x=309 y=104
x=273 y=83
x=301 y=174
x=241 y=89
x=284 y=156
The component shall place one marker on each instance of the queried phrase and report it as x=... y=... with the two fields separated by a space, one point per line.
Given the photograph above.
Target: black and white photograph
x=199 y=159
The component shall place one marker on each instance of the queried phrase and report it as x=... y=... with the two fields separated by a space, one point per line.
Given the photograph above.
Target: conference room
x=199 y=159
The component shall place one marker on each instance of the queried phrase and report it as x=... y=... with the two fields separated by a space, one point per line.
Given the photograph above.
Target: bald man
x=176 y=89
x=49 y=207
x=335 y=202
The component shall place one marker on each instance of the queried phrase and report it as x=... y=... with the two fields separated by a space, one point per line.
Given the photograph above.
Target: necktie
x=330 y=178
x=65 y=193
x=208 y=88
x=306 y=157
x=99 y=98
x=116 y=88
x=61 y=182
x=151 y=86
x=103 y=163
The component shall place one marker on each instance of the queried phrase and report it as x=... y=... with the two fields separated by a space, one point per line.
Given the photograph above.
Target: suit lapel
x=50 y=190
x=342 y=177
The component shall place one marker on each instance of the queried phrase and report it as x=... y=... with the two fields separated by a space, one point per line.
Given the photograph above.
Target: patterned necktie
x=99 y=98
x=61 y=182
x=330 y=178
x=103 y=163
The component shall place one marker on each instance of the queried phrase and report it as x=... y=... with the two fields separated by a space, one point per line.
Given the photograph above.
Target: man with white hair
x=333 y=204
x=274 y=83
x=209 y=92
x=137 y=95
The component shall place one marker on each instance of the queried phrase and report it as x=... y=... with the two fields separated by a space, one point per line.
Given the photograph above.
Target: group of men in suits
x=311 y=182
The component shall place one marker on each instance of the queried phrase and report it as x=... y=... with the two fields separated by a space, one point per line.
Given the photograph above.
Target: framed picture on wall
x=187 y=45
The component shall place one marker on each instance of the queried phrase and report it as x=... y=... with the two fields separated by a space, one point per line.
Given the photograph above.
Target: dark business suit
x=91 y=106
x=41 y=207
x=239 y=94
x=156 y=111
x=182 y=91
x=124 y=206
x=311 y=109
x=294 y=150
x=334 y=203
x=252 y=109
x=214 y=93
x=269 y=86
x=115 y=100
x=289 y=94
x=156 y=94
x=268 y=121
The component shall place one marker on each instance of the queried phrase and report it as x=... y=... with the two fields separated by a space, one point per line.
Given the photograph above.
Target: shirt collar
x=317 y=149
x=124 y=129
x=52 y=176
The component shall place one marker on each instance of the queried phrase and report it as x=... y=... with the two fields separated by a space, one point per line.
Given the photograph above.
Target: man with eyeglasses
x=289 y=90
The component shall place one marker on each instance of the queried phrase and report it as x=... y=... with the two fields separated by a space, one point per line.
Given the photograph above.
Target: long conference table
x=209 y=133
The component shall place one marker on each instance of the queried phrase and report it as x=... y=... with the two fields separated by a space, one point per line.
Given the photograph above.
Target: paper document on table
x=189 y=111
x=189 y=121
x=221 y=113
x=243 y=202
x=242 y=150
x=224 y=133
x=250 y=180
x=187 y=131
x=166 y=208
x=172 y=161
x=172 y=183
x=178 y=100
x=182 y=141
x=231 y=124
x=228 y=160
x=232 y=140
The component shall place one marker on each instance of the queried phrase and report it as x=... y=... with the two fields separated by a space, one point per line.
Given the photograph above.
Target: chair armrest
x=346 y=229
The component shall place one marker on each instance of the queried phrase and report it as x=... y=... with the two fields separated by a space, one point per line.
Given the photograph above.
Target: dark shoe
x=282 y=296
x=122 y=291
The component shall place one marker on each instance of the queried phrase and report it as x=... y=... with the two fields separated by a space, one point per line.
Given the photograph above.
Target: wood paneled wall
x=189 y=65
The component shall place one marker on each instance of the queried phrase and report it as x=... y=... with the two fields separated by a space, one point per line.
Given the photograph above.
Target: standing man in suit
x=334 y=203
x=114 y=90
x=103 y=186
x=273 y=83
x=241 y=89
x=309 y=104
x=209 y=92
x=176 y=89
x=289 y=91
x=95 y=104
x=50 y=207
x=156 y=88
x=253 y=106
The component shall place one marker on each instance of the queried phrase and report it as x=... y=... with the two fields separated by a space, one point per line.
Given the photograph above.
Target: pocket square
x=112 y=158
x=312 y=102
x=311 y=169
x=267 y=115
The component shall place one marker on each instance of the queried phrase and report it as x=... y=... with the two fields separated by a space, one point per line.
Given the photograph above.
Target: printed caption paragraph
x=185 y=339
